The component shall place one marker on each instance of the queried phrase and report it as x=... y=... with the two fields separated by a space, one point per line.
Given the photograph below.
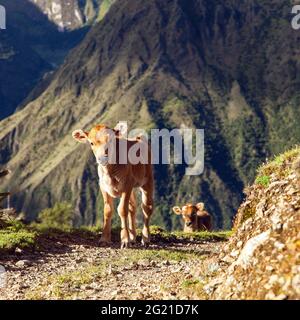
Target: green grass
x=104 y=7
x=263 y=181
x=190 y=282
x=59 y=217
x=22 y=239
x=14 y=234
x=276 y=169
x=160 y=234
x=280 y=165
x=194 y=288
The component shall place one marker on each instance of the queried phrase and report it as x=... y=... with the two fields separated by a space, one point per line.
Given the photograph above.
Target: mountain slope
x=32 y=45
x=161 y=64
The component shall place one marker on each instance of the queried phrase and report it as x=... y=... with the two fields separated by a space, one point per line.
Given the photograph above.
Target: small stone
x=280 y=246
x=230 y=280
x=296 y=283
x=270 y=295
x=277 y=224
x=22 y=263
x=112 y=271
x=179 y=269
x=296 y=269
x=144 y=262
x=280 y=297
x=239 y=244
x=213 y=267
x=228 y=259
x=280 y=257
x=116 y=292
x=24 y=286
x=269 y=268
x=18 y=251
x=235 y=253
x=273 y=279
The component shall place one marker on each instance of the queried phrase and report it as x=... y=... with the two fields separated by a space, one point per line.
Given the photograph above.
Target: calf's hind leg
x=147 y=207
x=132 y=218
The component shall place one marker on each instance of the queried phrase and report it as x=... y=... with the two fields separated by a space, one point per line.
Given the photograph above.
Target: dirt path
x=75 y=268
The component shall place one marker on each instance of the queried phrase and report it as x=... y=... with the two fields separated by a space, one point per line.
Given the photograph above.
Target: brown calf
x=195 y=217
x=118 y=179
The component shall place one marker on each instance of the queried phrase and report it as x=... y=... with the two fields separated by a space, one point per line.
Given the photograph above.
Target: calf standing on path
x=195 y=217
x=119 y=174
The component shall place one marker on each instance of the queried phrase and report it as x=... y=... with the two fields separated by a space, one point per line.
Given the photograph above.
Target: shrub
x=11 y=240
x=58 y=217
x=15 y=234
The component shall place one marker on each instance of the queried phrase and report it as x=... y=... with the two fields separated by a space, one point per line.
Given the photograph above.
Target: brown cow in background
x=195 y=217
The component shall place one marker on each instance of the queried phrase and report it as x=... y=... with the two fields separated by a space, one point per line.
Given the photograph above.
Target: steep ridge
x=262 y=259
x=163 y=64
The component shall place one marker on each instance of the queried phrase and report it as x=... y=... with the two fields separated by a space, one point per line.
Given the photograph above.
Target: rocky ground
x=263 y=255
x=76 y=268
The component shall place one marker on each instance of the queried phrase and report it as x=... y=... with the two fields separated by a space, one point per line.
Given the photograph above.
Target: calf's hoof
x=145 y=237
x=125 y=244
x=125 y=239
x=145 y=242
x=103 y=242
x=132 y=237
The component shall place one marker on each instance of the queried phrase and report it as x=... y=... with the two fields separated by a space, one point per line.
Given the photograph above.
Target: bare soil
x=72 y=267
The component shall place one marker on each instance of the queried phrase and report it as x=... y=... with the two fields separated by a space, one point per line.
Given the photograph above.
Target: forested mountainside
x=229 y=67
x=39 y=35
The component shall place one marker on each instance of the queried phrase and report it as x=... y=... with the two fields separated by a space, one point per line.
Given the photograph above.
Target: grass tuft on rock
x=280 y=166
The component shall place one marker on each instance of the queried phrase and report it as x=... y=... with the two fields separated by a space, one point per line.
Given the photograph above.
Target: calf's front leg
x=123 y=210
x=107 y=215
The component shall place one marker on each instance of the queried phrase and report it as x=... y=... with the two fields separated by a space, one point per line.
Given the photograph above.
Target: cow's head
x=189 y=214
x=102 y=140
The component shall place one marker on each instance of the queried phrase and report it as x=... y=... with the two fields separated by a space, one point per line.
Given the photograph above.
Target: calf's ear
x=200 y=206
x=177 y=210
x=121 y=128
x=80 y=136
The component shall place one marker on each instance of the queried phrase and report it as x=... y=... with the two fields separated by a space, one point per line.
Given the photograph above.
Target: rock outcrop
x=262 y=259
x=73 y=14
